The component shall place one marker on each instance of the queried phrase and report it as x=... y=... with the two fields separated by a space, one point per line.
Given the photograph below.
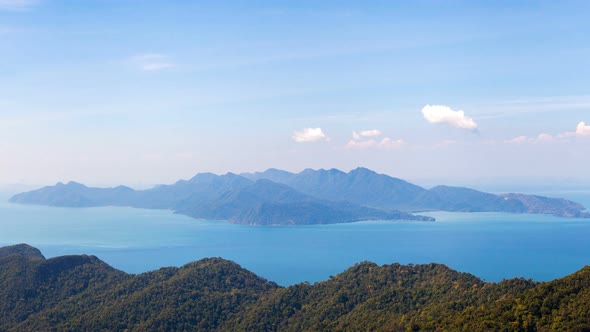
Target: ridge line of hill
x=80 y=292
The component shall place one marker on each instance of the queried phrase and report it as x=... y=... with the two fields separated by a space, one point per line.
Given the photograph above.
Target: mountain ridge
x=277 y=197
x=81 y=292
x=365 y=187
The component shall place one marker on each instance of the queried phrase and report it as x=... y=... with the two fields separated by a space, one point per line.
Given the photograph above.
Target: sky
x=143 y=92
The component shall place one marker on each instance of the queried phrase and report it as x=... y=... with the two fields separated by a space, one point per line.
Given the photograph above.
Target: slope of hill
x=83 y=293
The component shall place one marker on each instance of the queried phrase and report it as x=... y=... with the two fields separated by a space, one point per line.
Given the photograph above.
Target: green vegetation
x=73 y=293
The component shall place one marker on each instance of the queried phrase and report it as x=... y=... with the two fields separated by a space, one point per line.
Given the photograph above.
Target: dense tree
x=72 y=293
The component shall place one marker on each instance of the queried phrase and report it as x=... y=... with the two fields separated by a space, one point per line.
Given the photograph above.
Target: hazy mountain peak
x=272 y=169
x=203 y=176
x=307 y=171
x=74 y=184
x=331 y=171
x=276 y=170
x=123 y=188
x=335 y=171
x=363 y=170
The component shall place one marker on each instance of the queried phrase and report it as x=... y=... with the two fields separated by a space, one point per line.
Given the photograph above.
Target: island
x=277 y=197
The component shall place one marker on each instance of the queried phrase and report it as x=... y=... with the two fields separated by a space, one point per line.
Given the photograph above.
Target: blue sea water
x=492 y=246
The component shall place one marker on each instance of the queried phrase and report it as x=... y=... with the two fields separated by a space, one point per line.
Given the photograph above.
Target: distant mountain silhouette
x=367 y=188
x=361 y=186
x=277 y=197
x=228 y=197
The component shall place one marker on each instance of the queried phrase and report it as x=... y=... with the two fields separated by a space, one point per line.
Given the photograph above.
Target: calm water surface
x=491 y=246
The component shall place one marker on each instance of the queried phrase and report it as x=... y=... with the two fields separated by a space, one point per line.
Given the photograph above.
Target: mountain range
x=82 y=293
x=277 y=197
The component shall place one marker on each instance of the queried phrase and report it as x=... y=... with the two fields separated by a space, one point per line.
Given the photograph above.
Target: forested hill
x=82 y=293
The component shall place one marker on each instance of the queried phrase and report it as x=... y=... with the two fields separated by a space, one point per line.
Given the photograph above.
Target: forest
x=80 y=292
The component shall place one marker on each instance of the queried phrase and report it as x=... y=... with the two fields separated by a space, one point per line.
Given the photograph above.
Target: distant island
x=277 y=197
x=83 y=293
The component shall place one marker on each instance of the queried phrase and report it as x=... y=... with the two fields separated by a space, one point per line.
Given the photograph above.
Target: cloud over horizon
x=309 y=135
x=444 y=114
x=583 y=129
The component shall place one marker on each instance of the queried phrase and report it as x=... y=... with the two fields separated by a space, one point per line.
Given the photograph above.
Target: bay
x=492 y=246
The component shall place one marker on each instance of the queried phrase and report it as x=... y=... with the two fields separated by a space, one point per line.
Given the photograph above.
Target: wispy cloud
x=366 y=133
x=444 y=114
x=385 y=143
x=533 y=105
x=582 y=130
x=152 y=62
x=526 y=139
x=388 y=143
x=309 y=135
x=367 y=139
x=18 y=5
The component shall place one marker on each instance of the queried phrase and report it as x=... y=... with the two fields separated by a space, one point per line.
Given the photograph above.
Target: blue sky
x=143 y=92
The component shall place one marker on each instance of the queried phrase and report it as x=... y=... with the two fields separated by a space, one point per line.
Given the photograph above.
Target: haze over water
x=491 y=246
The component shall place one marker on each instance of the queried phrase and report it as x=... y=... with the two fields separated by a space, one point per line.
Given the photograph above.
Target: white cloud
x=583 y=129
x=152 y=62
x=444 y=114
x=388 y=143
x=385 y=143
x=541 y=138
x=17 y=5
x=365 y=133
x=370 y=133
x=367 y=139
x=309 y=135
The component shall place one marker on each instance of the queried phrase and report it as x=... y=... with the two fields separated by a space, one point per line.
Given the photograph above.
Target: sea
x=491 y=246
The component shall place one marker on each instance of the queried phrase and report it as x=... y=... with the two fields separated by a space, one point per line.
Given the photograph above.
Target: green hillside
x=82 y=293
